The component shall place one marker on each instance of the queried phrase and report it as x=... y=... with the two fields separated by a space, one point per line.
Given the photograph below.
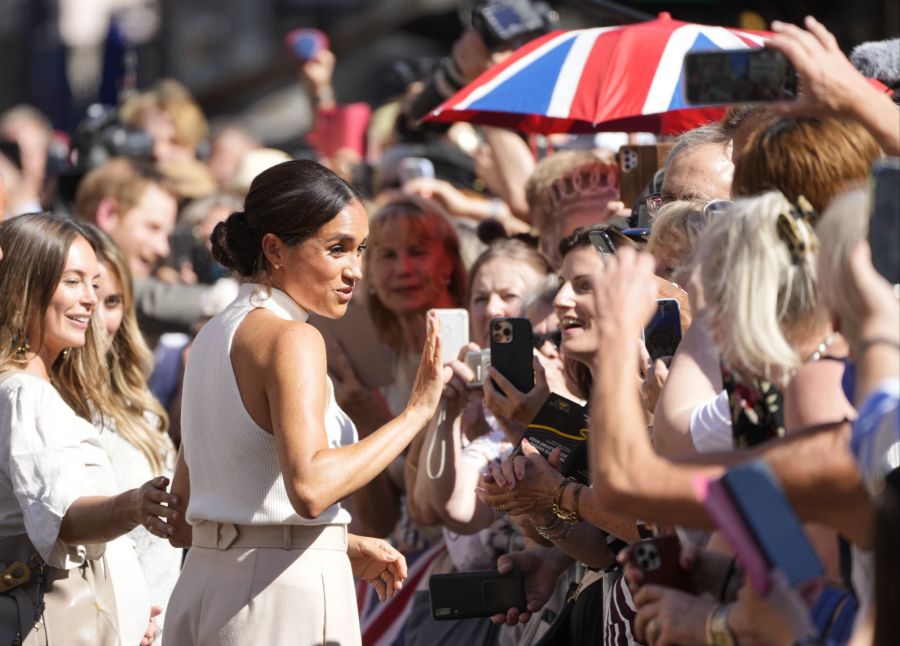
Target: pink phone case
x=718 y=503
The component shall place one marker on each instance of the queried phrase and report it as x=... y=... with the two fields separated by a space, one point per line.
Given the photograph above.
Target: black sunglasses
x=538 y=339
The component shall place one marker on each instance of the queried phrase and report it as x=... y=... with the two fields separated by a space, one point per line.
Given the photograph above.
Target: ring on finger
x=501 y=506
x=147 y=521
x=653 y=630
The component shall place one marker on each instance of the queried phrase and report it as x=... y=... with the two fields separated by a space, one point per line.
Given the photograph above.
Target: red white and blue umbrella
x=626 y=78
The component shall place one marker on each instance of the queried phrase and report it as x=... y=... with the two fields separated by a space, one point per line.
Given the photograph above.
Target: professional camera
x=501 y=24
x=101 y=136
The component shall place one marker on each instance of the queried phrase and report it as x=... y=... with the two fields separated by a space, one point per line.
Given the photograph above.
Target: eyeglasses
x=538 y=339
x=655 y=201
x=716 y=207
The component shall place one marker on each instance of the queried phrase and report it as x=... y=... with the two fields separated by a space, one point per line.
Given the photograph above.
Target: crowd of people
x=227 y=415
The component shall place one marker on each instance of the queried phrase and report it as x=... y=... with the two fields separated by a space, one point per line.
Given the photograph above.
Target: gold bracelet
x=718 y=628
x=709 y=635
x=564 y=514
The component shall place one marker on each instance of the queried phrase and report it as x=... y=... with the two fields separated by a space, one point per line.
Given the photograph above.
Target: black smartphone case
x=467 y=595
x=512 y=356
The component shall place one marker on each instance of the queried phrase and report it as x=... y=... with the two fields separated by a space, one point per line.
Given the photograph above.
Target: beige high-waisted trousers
x=275 y=585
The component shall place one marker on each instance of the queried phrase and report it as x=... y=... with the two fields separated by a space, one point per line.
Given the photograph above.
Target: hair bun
x=235 y=244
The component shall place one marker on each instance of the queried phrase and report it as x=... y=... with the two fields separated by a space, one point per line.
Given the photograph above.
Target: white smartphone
x=454 y=332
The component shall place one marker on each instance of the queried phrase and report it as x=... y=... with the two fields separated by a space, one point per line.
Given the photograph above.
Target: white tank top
x=235 y=477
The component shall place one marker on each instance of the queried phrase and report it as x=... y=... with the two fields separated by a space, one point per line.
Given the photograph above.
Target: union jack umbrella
x=626 y=78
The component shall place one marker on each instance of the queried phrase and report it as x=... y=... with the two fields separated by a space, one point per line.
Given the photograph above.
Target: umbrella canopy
x=626 y=78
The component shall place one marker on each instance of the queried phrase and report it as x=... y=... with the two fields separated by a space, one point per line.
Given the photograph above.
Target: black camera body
x=501 y=24
x=101 y=136
x=505 y=23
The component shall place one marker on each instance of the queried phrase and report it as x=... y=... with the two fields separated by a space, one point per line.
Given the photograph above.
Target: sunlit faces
x=410 y=270
x=142 y=233
x=68 y=316
x=321 y=273
x=498 y=290
x=575 y=305
x=110 y=303
x=703 y=172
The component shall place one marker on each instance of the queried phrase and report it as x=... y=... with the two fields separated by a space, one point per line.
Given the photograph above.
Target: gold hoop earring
x=22 y=346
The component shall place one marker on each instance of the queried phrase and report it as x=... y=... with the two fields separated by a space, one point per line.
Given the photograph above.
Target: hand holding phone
x=749 y=507
x=305 y=44
x=454 y=332
x=738 y=76
x=663 y=333
x=512 y=350
x=659 y=560
x=466 y=595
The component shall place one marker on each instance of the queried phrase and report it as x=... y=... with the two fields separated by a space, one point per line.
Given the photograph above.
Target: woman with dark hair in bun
x=267 y=454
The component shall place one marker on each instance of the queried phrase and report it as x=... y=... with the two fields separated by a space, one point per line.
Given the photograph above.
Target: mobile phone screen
x=663 y=334
x=884 y=225
x=738 y=76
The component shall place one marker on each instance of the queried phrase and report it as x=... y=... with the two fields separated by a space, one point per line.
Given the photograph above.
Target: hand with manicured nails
x=523 y=483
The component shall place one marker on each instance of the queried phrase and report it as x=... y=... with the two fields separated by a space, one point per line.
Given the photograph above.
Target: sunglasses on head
x=538 y=339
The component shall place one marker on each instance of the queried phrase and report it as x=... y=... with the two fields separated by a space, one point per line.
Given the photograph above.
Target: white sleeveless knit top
x=235 y=477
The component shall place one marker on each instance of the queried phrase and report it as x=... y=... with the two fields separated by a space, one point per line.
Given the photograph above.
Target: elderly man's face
x=703 y=172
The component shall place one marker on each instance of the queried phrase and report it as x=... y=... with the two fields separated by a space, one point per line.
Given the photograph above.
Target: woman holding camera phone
x=264 y=467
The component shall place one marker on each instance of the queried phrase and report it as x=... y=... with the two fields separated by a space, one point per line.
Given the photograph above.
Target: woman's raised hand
x=432 y=374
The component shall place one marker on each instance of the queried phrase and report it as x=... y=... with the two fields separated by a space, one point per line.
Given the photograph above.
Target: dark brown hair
x=35 y=250
x=291 y=200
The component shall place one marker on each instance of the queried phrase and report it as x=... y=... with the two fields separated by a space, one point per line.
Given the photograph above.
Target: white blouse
x=50 y=457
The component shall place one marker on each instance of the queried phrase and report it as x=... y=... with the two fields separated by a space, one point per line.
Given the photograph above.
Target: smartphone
x=454 y=332
x=660 y=560
x=467 y=595
x=478 y=361
x=749 y=507
x=512 y=351
x=884 y=224
x=410 y=168
x=738 y=76
x=663 y=333
x=602 y=242
x=305 y=44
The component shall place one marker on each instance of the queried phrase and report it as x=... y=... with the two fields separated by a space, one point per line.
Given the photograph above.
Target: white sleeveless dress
x=230 y=594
